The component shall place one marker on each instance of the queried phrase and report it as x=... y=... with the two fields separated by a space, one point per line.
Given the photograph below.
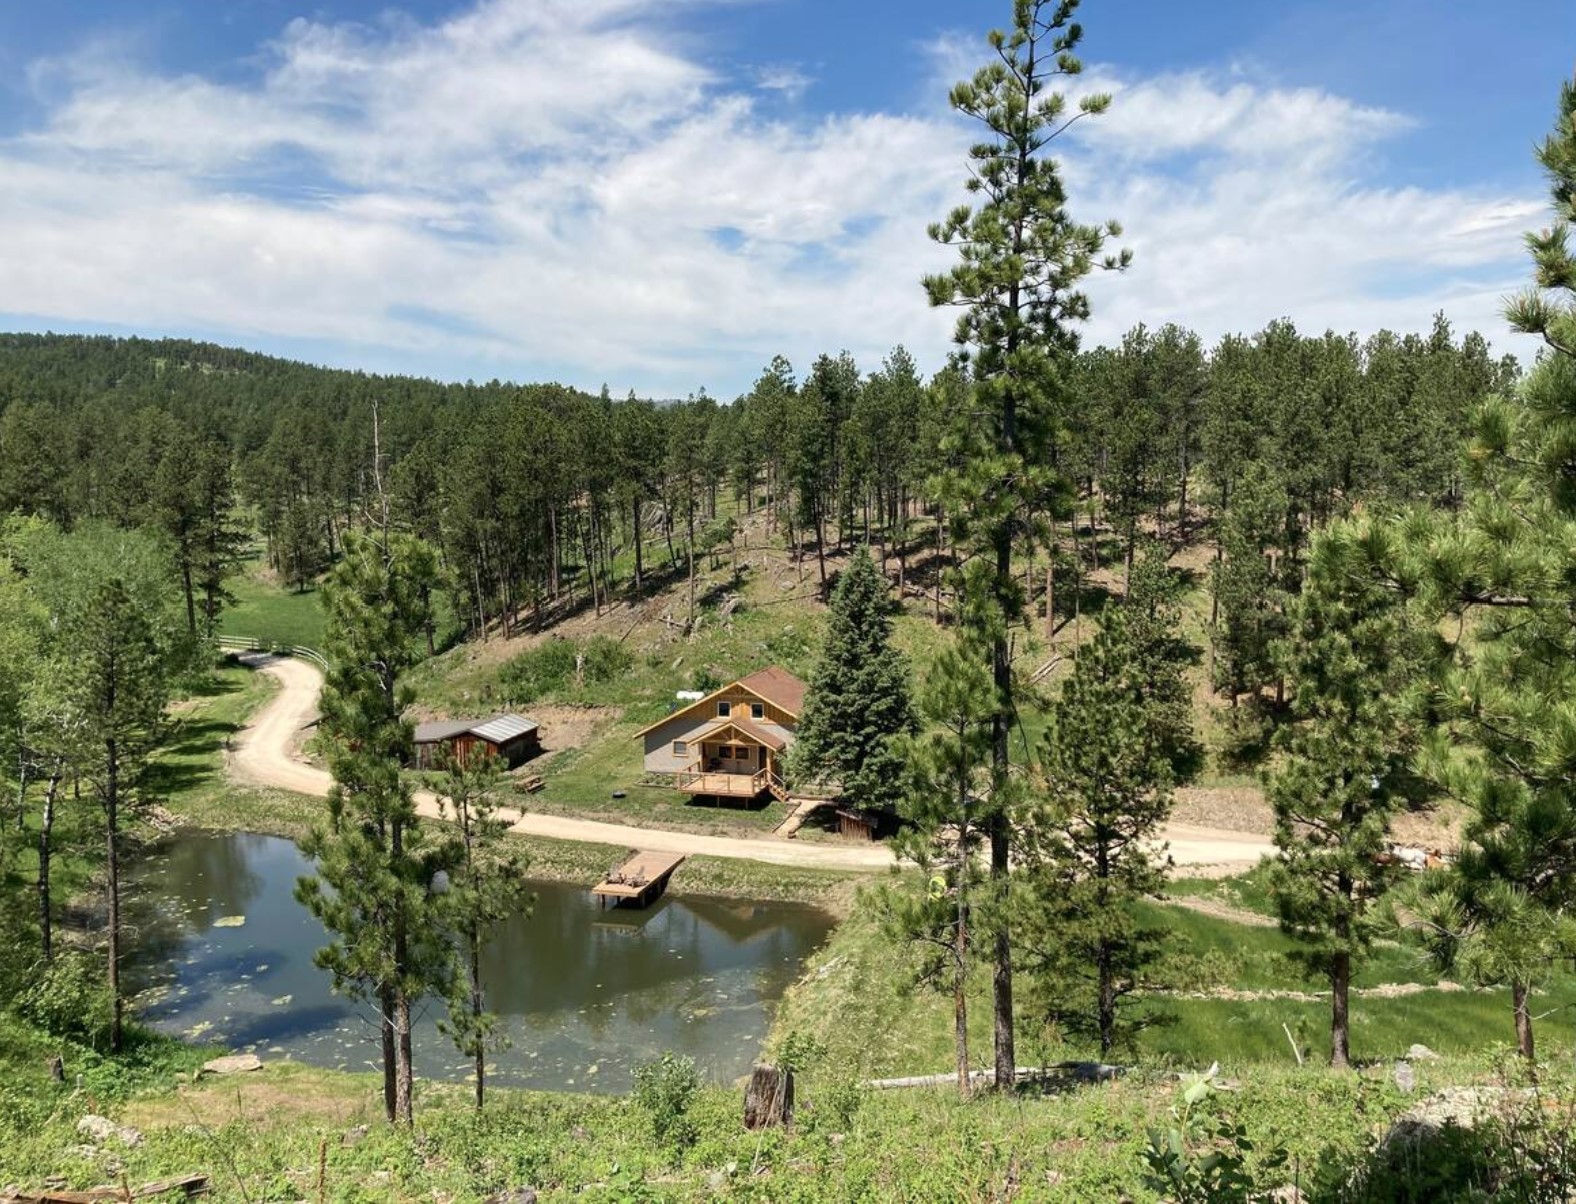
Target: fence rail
x=243 y=643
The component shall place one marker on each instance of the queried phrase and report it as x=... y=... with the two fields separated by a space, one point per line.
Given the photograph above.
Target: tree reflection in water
x=586 y=993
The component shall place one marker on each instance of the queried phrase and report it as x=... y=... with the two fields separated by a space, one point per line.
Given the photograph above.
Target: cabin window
x=680 y=748
x=724 y=709
x=757 y=710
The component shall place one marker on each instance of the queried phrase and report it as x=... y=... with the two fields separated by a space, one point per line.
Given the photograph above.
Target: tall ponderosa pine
x=375 y=866
x=1353 y=657
x=486 y=885
x=1107 y=771
x=1021 y=260
x=858 y=704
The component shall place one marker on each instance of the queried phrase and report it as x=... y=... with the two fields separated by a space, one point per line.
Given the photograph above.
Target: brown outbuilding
x=512 y=738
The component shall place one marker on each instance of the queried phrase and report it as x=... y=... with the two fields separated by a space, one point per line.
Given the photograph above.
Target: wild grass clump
x=553 y=666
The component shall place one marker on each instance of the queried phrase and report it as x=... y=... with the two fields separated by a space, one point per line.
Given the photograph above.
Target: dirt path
x=267 y=753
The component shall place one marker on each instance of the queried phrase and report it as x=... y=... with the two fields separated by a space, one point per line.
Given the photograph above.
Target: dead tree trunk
x=768 y=1100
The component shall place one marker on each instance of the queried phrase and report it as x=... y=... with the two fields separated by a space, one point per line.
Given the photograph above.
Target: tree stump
x=57 y=1069
x=768 y=1100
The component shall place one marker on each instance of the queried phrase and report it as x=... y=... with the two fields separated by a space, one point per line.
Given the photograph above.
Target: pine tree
x=115 y=656
x=945 y=786
x=218 y=540
x=301 y=551
x=1152 y=613
x=1021 y=260
x=1106 y=780
x=375 y=866
x=1353 y=656
x=1504 y=572
x=1249 y=595
x=486 y=885
x=858 y=704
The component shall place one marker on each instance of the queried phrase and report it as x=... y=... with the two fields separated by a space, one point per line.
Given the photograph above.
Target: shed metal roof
x=442 y=729
x=500 y=729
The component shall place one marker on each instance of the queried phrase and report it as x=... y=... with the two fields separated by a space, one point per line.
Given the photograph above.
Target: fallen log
x=191 y=1185
x=1083 y=1072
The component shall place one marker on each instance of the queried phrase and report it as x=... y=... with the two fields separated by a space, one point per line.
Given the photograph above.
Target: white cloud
x=790 y=81
x=558 y=186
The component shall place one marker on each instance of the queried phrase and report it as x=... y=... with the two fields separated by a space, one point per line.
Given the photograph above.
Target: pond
x=584 y=994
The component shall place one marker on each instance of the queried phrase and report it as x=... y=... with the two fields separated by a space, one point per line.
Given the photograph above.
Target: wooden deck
x=640 y=879
x=731 y=785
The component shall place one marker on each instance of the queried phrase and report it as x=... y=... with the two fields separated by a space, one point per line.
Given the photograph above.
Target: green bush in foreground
x=664 y=1091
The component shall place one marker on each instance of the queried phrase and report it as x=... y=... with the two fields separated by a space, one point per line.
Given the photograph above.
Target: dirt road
x=267 y=753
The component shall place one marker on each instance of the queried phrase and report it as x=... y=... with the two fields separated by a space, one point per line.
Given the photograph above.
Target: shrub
x=664 y=1091
x=1202 y=1158
x=67 y=999
x=536 y=671
x=605 y=659
x=555 y=664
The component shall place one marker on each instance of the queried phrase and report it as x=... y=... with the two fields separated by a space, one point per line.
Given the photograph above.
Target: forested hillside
x=533 y=493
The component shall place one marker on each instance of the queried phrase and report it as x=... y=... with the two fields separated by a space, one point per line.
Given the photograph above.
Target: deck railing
x=697 y=779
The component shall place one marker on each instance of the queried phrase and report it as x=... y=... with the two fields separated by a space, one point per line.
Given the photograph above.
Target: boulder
x=1454 y=1107
x=1421 y=1053
x=233 y=1064
x=515 y=1195
x=101 y=1129
x=1405 y=1077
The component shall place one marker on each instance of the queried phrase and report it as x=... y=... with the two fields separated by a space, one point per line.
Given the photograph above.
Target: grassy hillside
x=289 y=1132
x=1233 y=986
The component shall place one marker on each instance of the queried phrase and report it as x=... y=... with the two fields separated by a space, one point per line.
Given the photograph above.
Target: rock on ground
x=233 y=1064
x=102 y=1129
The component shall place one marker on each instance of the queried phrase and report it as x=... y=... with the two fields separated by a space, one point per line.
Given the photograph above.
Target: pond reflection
x=584 y=994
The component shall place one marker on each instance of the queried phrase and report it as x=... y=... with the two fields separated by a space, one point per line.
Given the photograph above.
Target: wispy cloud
x=790 y=81
x=562 y=183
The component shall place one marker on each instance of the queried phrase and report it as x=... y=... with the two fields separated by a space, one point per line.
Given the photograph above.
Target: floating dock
x=640 y=879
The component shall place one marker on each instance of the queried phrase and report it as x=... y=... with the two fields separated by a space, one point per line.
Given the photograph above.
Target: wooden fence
x=241 y=643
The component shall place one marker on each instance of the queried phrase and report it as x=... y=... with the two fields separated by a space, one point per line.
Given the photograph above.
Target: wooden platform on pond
x=640 y=879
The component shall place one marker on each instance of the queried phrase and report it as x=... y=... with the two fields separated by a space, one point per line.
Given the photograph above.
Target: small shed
x=513 y=738
x=855 y=825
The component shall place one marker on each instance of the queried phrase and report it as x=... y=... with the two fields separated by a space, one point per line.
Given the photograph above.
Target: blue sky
x=662 y=196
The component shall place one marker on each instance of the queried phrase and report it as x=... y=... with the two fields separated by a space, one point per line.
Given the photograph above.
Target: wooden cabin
x=730 y=743
x=512 y=738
